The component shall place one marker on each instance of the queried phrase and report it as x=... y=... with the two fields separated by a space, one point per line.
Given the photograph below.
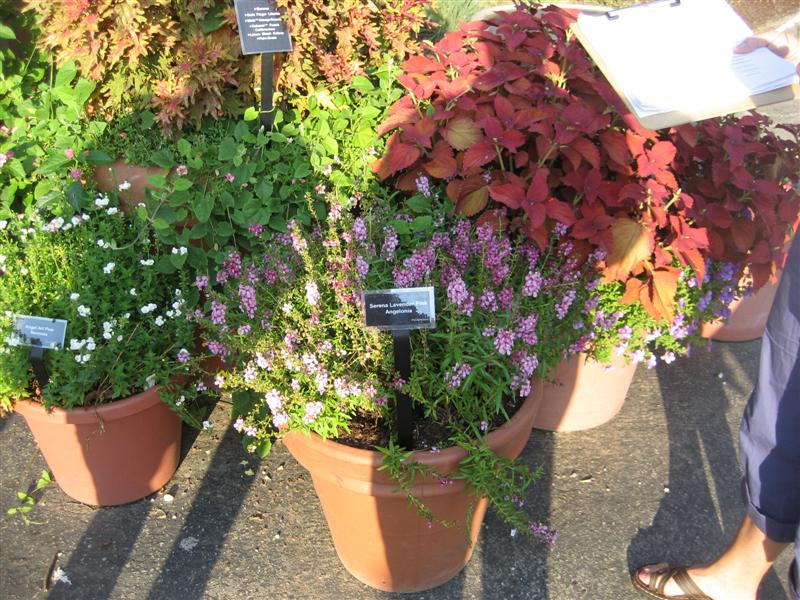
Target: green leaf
x=66 y=74
x=164 y=265
x=422 y=223
x=241 y=130
x=364 y=138
x=419 y=204
x=181 y=184
x=83 y=89
x=53 y=164
x=211 y=24
x=227 y=149
x=264 y=448
x=98 y=157
x=6 y=33
x=197 y=258
x=278 y=223
x=251 y=113
x=178 y=260
x=159 y=223
x=157 y=181
x=184 y=147
x=203 y=207
x=163 y=158
x=76 y=195
x=147 y=118
x=362 y=84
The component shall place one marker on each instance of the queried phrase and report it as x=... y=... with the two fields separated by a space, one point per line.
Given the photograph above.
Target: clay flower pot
x=380 y=539
x=748 y=317
x=109 y=454
x=585 y=394
x=108 y=177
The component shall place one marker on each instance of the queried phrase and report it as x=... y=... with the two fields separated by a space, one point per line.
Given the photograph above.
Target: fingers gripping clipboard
x=672 y=61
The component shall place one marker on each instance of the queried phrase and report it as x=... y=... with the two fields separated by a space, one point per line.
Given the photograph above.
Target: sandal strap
x=691 y=591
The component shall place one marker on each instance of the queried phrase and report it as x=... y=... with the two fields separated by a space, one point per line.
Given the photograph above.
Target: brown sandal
x=658 y=581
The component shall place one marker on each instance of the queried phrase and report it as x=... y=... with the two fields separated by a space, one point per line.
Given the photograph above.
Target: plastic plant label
x=400 y=309
x=38 y=332
x=262 y=29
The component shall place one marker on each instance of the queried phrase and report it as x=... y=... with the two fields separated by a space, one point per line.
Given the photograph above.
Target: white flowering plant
x=126 y=331
x=289 y=318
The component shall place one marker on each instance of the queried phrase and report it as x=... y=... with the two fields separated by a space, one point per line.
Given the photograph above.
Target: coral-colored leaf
x=474 y=202
x=587 y=150
x=613 y=142
x=478 y=155
x=538 y=190
x=560 y=211
x=398 y=157
x=633 y=244
x=461 y=133
x=441 y=166
x=510 y=194
x=422 y=64
x=662 y=289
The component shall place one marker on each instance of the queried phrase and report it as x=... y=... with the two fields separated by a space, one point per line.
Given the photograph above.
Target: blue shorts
x=770 y=432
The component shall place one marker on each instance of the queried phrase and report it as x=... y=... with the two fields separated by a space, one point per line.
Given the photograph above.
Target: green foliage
x=337 y=41
x=180 y=58
x=28 y=499
x=233 y=180
x=101 y=272
x=41 y=120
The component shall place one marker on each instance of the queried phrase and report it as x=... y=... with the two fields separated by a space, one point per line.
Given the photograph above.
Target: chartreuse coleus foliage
x=513 y=115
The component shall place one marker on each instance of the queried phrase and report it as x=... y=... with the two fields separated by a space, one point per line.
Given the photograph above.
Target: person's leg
x=770 y=455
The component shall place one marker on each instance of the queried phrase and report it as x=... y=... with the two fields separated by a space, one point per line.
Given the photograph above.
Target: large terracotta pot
x=108 y=177
x=585 y=394
x=110 y=454
x=378 y=537
x=748 y=317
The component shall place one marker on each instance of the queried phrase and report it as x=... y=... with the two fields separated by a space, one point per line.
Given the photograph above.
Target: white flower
x=119 y=338
x=3 y=223
x=2 y=259
x=148 y=308
x=108 y=268
x=180 y=401
x=178 y=293
x=24 y=270
x=132 y=291
x=102 y=243
x=160 y=320
x=147 y=263
x=125 y=185
x=84 y=311
x=82 y=358
x=207 y=425
x=112 y=210
x=90 y=345
x=101 y=201
x=150 y=380
x=76 y=220
x=76 y=344
x=180 y=250
x=74 y=296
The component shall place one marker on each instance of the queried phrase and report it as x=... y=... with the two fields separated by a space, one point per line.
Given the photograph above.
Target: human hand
x=783 y=44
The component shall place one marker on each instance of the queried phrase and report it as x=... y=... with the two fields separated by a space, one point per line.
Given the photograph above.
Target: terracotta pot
x=110 y=454
x=748 y=317
x=585 y=394
x=380 y=539
x=108 y=177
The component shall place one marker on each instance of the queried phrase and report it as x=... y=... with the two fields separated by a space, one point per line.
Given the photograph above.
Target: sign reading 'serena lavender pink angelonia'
x=398 y=309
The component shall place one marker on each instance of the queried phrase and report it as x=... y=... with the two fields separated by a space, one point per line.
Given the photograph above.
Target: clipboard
x=652 y=14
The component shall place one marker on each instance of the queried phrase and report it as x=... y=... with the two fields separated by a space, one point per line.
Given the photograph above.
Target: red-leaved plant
x=513 y=115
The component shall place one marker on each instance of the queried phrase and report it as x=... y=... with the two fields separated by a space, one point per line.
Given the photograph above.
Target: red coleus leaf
x=656 y=159
x=420 y=132
x=538 y=191
x=587 y=150
x=510 y=194
x=462 y=133
x=442 y=164
x=694 y=258
x=560 y=211
x=403 y=111
x=504 y=109
x=499 y=74
x=398 y=156
x=613 y=143
x=421 y=86
x=422 y=64
x=478 y=155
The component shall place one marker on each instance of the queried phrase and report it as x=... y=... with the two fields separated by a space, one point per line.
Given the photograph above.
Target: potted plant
x=106 y=405
x=309 y=372
x=511 y=113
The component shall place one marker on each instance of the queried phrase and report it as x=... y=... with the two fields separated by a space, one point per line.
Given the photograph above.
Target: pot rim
x=454 y=454
x=110 y=411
